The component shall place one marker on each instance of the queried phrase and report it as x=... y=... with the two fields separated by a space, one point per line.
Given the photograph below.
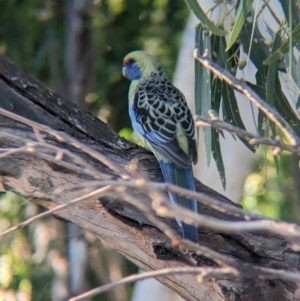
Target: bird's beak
x=124 y=69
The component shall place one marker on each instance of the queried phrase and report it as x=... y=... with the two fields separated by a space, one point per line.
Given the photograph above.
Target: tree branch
x=47 y=176
x=243 y=88
x=217 y=123
x=201 y=272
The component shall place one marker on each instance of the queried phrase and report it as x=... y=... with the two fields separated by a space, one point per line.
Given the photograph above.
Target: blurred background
x=77 y=48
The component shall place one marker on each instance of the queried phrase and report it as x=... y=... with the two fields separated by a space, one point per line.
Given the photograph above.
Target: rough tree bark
x=113 y=220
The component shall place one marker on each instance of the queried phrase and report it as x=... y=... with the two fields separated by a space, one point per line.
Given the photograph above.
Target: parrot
x=162 y=121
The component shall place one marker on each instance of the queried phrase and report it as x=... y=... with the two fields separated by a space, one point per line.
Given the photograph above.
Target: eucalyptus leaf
x=283 y=107
x=200 y=14
x=259 y=50
x=230 y=108
x=203 y=86
x=243 y=10
x=285 y=46
x=258 y=53
x=298 y=103
x=216 y=103
x=217 y=155
x=270 y=92
x=272 y=71
x=216 y=85
x=216 y=97
x=290 y=6
x=231 y=111
x=198 y=70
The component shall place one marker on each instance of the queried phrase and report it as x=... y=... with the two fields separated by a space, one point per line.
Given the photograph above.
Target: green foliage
x=32 y=34
x=209 y=91
x=15 y=263
x=200 y=14
x=203 y=87
x=267 y=60
x=271 y=194
x=284 y=46
x=243 y=10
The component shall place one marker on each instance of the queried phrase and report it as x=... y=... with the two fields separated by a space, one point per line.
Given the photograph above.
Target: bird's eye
x=131 y=61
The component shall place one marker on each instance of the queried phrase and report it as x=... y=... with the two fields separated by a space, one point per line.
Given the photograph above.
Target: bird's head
x=138 y=64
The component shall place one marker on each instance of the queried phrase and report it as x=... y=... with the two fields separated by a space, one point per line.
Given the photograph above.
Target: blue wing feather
x=184 y=178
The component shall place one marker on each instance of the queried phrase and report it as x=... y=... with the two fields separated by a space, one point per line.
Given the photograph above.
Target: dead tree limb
x=117 y=223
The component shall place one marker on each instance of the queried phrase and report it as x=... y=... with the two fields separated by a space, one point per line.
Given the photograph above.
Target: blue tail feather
x=184 y=178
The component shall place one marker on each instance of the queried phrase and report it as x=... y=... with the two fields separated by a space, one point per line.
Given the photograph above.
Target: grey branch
x=217 y=123
x=63 y=148
x=201 y=274
x=242 y=87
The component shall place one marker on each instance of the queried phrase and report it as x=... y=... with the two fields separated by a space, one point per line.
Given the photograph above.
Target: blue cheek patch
x=133 y=72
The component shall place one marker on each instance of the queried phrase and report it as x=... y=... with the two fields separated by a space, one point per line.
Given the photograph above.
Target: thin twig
x=60 y=153
x=202 y=273
x=217 y=123
x=128 y=197
x=200 y=197
x=280 y=228
x=263 y=273
x=28 y=149
x=63 y=137
x=245 y=269
x=164 y=208
x=93 y=194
